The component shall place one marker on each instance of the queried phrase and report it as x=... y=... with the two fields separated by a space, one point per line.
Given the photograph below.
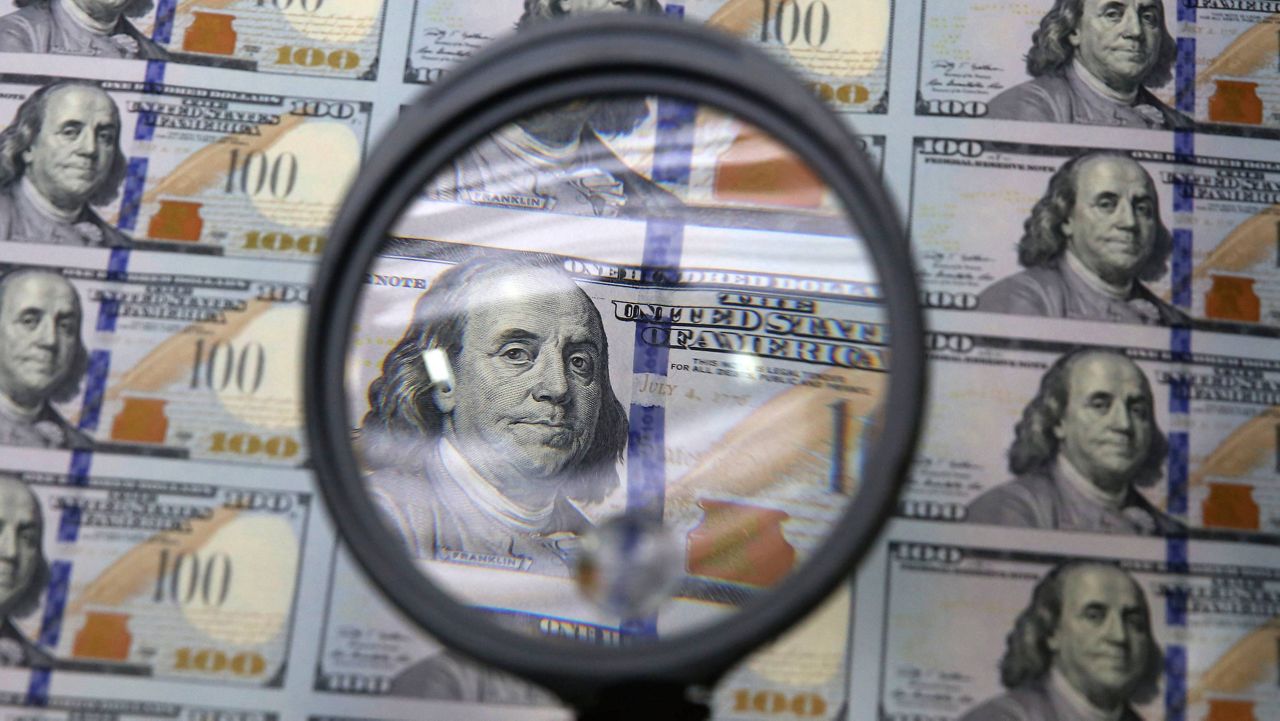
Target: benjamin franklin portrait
x=1084 y=445
x=1094 y=62
x=42 y=359
x=493 y=420
x=1088 y=245
x=99 y=28
x=1082 y=649
x=23 y=570
x=60 y=156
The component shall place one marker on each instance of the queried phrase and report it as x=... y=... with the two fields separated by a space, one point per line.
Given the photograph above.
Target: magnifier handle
x=646 y=702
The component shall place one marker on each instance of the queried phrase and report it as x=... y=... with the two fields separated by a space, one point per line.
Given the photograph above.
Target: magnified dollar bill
x=673 y=381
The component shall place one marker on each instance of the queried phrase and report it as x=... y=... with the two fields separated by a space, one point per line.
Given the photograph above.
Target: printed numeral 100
x=281 y=241
x=966 y=108
x=774 y=703
x=315 y=57
x=788 y=22
x=211 y=660
x=258 y=171
x=217 y=368
x=847 y=94
x=184 y=578
x=248 y=444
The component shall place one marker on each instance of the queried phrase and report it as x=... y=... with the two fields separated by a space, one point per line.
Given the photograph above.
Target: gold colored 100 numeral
x=250 y=444
x=283 y=242
x=309 y=57
x=776 y=703
x=212 y=660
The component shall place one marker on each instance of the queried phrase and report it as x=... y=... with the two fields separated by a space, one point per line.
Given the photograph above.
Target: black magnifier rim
x=604 y=55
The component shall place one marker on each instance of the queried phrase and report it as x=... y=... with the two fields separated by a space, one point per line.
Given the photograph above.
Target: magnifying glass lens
x=615 y=371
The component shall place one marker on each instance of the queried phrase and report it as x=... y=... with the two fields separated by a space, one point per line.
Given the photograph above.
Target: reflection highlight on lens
x=629 y=565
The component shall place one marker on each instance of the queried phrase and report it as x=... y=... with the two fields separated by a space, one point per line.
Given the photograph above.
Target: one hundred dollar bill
x=326 y=38
x=802 y=675
x=178 y=166
x=1222 y=53
x=751 y=387
x=841 y=49
x=1182 y=439
x=1194 y=237
x=200 y=364
x=370 y=649
x=153 y=578
x=1152 y=637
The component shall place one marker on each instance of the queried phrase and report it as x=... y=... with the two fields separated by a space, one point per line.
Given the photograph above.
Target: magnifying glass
x=615 y=360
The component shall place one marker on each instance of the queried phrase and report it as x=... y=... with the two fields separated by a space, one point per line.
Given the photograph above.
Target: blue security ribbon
x=1177 y=463
x=664 y=240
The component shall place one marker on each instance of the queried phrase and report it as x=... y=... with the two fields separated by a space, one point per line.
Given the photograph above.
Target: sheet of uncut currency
x=194 y=575
x=972 y=198
x=1229 y=59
